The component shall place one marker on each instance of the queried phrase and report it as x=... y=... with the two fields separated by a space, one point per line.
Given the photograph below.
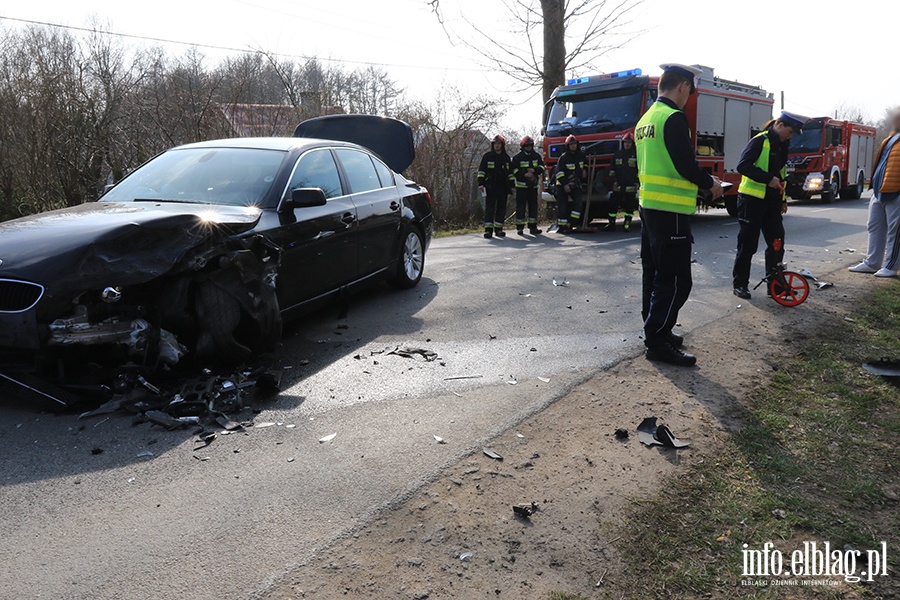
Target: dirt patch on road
x=458 y=537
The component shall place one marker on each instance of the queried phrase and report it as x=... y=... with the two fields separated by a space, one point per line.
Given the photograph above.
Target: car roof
x=285 y=144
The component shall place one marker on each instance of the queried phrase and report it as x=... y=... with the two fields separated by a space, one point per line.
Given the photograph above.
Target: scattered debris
x=264 y=424
x=622 y=433
x=290 y=459
x=463 y=377
x=519 y=435
x=465 y=556
x=563 y=283
x=168 y=421
x=438 y=439
x=408 y=352
x=849 y=320
x=512 y=382
x=823 y=284
x=652 y=434
x=144 y=454
x=327 y=438
x=96 y=451
x=525 y=510
x=544 y=379
x=885 y=367
x=779 y=513
x=491 y=454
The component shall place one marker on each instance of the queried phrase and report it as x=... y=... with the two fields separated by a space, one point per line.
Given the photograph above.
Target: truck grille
x=18 y=296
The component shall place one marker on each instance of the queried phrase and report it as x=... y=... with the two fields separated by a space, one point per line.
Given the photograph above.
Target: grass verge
x=816 y=459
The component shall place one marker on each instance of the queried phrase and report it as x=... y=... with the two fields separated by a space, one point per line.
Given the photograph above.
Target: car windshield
x=808 y=141
x=231 y=176
x=596 y=112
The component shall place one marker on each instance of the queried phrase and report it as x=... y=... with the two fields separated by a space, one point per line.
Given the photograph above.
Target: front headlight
x=814 y=181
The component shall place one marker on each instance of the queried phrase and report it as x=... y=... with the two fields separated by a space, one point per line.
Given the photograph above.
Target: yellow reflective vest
x=753 y=188
x=662 y=187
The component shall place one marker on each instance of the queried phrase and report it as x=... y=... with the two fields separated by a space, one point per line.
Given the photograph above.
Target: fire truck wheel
x=855 y=192
x=832 y=193
x=731 y=205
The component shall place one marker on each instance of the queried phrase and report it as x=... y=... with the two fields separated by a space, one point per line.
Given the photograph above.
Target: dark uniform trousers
x=526 y=200
x=627 y=202
x=567 y=211
x=755 y=215
x=666 y=257
x=495 y=206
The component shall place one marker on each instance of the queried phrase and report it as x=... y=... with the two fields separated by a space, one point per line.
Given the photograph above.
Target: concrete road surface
x=127 y=524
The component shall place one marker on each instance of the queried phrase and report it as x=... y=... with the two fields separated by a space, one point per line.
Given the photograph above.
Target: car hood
x=109 y=243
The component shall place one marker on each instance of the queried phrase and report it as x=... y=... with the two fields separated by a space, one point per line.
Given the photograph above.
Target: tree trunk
x=554 y=12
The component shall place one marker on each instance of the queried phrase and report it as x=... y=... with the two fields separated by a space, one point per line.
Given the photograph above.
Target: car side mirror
x=304 y=198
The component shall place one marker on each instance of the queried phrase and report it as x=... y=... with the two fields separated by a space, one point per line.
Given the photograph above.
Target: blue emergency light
x=605 y=76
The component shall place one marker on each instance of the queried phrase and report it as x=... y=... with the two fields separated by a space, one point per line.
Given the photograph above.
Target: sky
x=822 y=54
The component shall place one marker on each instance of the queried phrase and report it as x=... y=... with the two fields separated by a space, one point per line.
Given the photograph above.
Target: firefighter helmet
x=499 y=138
x=628 y=138
x=527 y=141
x=571 y=140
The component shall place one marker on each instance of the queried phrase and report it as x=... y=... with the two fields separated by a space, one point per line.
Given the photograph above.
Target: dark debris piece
x=621 y=433
x=652 y=434
x=525 y=510
x=885 y=367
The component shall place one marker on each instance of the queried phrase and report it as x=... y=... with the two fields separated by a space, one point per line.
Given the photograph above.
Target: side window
x=359 y=169
x=384 y=173
x=836 y=137
x=317 y=169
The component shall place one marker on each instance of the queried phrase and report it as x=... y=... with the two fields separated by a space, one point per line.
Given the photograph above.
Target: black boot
x=533 y=230
x=627 y=226
x=742 y=292
x=520 y=229
x=611 y=226
x=676 y=340
x=498 y=231
x=488 y=233
x=668 y=353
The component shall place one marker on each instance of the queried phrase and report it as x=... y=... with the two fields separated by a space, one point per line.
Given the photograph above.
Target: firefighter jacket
x=495 y=172
x=525 y=162
x=571 y=169
x=623 y=171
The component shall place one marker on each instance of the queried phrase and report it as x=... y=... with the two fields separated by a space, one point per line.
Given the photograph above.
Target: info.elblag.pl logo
x=813 y=564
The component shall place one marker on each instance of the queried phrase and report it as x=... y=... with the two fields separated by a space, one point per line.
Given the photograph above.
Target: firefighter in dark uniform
x=527 y=169
x=623 y=174
x=571 y=174
x=495 y=181
x=670 y=179
x=761 y=197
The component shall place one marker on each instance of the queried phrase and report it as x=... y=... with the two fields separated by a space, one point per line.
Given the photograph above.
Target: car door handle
x=395 y=205
x=348 y=218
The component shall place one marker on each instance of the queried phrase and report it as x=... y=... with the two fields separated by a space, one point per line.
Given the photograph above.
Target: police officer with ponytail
x=670 y=179
x=761 y=197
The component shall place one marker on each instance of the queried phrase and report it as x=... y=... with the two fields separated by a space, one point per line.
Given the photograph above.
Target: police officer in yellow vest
x=761 y=198
x=670 y=179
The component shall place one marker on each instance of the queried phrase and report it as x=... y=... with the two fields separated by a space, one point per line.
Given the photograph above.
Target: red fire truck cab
x=831 y=158
x=599 y=110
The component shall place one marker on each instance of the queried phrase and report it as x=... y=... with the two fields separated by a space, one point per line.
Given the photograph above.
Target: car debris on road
x=652 y=434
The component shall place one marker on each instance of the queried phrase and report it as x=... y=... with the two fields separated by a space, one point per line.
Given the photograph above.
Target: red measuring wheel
x=788 y=288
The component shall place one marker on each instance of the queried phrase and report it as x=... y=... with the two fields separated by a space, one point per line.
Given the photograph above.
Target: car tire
x=731 y=206
x=227 y=332
x=411 y=260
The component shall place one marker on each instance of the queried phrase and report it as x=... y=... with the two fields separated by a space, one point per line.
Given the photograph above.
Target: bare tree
x=544 y=39
x=847 y=111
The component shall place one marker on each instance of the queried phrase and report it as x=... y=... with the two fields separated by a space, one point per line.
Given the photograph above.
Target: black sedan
x=207 y=247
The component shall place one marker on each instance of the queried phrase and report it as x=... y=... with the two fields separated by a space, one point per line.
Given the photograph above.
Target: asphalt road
x=121 y=524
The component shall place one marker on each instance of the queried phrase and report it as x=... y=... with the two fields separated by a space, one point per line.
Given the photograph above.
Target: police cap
x=686 y=71
x=793 y=120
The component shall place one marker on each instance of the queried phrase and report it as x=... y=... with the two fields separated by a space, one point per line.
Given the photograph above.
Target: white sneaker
x=886 y=273
x=862 y=268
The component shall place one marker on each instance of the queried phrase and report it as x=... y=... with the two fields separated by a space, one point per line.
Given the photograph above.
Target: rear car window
x=360 y=171
x=384 y=173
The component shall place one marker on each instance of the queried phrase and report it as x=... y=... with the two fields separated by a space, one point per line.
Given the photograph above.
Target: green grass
x=819 y=442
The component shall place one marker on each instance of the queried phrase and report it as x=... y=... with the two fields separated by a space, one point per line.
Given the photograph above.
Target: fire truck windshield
x=808 y=141
x=595 y=112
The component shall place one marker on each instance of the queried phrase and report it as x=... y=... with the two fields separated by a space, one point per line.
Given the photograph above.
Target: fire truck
x=831 y=158
x=599 y=110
